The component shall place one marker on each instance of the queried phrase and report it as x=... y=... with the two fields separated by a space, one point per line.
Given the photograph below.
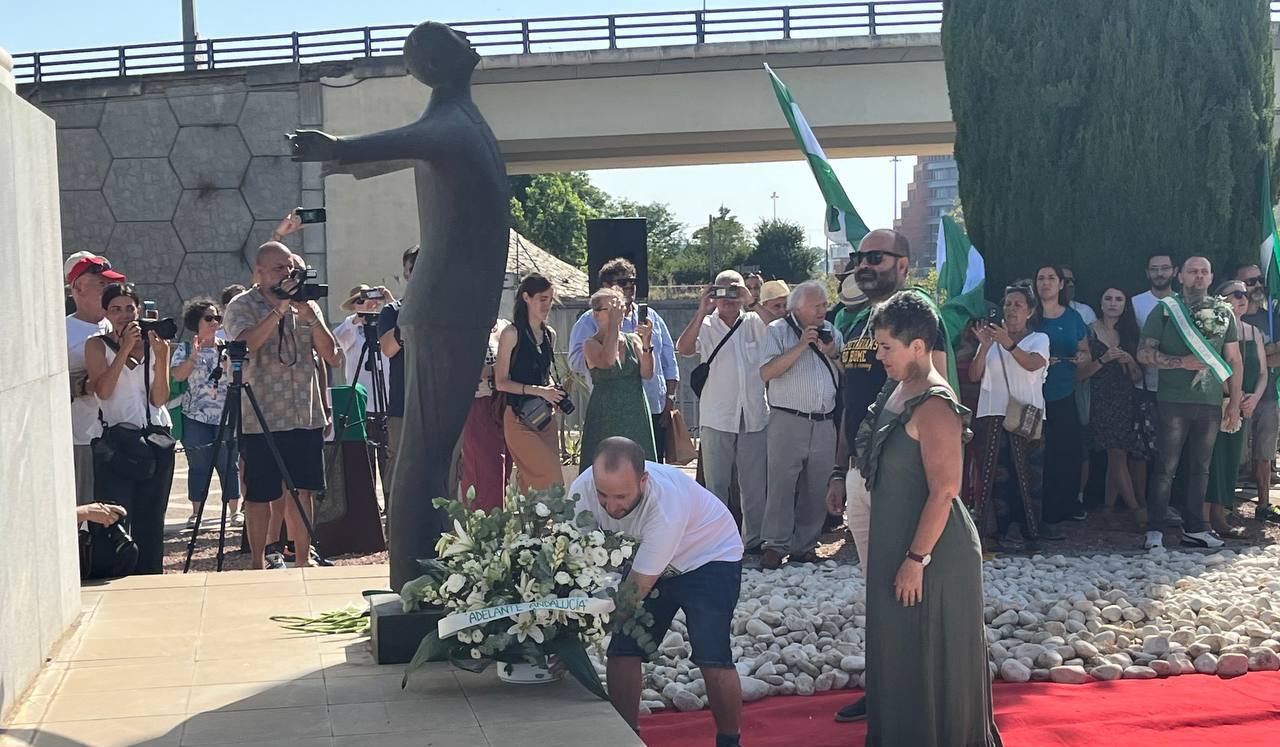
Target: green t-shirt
x=1175 y=384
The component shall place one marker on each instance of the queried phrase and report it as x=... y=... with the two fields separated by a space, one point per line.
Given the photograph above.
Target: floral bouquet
x=521 y=582
x=1212 y=317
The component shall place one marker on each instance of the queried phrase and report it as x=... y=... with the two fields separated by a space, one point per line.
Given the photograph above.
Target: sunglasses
x=874 y=257
x=624 y=282
x=213 y=318
x=1255 y=280
x=1238 y=295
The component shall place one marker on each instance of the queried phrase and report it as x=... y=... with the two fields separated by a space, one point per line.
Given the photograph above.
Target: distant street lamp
x=774 y=197
x=894 y=161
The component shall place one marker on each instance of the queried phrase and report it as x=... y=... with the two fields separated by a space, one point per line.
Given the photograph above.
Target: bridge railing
x=514 y=36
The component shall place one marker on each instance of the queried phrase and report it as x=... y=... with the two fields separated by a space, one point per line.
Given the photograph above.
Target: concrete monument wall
x=39 y=573
x=177 y=179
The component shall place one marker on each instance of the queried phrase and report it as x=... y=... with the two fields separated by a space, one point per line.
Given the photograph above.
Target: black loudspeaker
x=610 y=238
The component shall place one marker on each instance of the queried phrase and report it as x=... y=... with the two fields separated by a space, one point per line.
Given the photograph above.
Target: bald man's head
x=273 y=264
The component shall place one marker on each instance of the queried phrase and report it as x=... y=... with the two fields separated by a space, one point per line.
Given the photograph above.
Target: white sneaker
x=237 y=519
x=1201 y=539
x=1154 y=540
x=191 y=522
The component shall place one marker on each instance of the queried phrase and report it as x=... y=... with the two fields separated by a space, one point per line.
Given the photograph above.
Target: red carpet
x=1186 y=711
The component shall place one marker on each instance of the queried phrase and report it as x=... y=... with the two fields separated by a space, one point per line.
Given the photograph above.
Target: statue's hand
x=313 y=145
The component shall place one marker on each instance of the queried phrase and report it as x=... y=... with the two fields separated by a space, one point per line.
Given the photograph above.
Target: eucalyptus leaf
x=432 y=648
x=574 y=657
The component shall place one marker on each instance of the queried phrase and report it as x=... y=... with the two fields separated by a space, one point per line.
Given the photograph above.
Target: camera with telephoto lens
x=302 y=290
x=165 y=329
x=566 y=405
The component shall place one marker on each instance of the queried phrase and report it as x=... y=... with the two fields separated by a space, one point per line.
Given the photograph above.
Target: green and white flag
x=842 y=222
x=1269 y=254
x=962 y=276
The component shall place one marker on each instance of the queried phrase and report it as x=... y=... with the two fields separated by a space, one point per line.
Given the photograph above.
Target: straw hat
x=850 y=293
x=354 y=297
x=774 y=289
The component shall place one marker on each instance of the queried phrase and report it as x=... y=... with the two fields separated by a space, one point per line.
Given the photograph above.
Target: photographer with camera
x=358 y=329
x=802 y=377
x=523 y=371
x=619 y=363
x=284 y=329
x=133 y=459
x=203 y=365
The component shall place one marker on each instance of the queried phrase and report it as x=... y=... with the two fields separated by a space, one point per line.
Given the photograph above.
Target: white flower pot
x=523 y=673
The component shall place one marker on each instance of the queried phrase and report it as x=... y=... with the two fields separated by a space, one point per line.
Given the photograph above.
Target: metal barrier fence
x=514 y=36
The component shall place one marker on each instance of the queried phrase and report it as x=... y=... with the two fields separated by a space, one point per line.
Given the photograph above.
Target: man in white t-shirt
x=88 y=275
x=1160 y=275
x=689 y=551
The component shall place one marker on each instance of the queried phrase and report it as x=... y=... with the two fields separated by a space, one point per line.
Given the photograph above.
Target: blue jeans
x=197 y=440
x=708 y=595
x=1196 y=427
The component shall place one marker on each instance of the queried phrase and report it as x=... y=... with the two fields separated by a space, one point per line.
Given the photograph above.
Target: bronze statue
x=452 y=298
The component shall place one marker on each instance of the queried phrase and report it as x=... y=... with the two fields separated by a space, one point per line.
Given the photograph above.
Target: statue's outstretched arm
x=411 y=142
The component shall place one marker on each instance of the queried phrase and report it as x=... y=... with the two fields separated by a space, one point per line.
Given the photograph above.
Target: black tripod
x=370 y=359
x=230 y=424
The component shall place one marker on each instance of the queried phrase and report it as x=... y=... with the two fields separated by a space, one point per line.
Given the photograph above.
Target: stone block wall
x=178 y=179
x=39 y=572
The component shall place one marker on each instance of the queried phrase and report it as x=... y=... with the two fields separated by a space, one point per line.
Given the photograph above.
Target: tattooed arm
x=1149 y=355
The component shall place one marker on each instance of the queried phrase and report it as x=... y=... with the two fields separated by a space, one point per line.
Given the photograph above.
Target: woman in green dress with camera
x=619 y=364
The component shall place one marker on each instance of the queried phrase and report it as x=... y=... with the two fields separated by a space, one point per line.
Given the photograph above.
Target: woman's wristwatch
x=923 y=560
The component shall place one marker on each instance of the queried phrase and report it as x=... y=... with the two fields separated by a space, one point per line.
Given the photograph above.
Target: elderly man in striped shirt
x=800 y=372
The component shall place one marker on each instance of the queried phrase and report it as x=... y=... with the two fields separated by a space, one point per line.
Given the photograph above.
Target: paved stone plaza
x=194 y=660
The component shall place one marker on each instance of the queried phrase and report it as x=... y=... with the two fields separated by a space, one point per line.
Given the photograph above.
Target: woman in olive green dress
x=927 y=677
x=1224 y=465
x=619 y=364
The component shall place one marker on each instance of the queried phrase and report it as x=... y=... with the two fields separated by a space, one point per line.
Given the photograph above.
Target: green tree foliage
x=1089 y=133
x=552 y=211
x=721 y=243
x=780 y=251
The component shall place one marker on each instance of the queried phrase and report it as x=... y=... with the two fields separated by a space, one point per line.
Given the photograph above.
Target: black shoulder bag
x=698 y=378
x=534 y=411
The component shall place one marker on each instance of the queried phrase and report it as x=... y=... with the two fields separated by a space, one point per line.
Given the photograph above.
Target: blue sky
x=694 y=192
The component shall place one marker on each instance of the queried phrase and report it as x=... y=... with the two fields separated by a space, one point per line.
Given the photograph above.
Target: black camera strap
x=835 y=380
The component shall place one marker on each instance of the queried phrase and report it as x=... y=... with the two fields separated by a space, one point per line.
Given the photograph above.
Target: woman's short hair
x=907 y=316
x=1222 y=288
x=116 y=290
x=194 y=310
x=599 y=297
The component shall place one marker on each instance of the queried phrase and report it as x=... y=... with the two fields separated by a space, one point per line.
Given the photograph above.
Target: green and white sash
x=1194 y=339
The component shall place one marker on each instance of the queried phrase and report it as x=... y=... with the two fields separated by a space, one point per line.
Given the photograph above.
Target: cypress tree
x=1090 y=132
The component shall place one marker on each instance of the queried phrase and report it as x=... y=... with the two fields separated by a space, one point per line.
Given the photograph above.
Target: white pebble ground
x=801 y=629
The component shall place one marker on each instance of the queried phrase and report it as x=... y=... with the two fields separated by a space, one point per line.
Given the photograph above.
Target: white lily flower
x=454 y=583
x=525 y=627
x=461 y=545
x=615 y=558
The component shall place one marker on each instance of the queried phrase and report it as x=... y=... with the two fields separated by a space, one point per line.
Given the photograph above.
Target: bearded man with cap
x=877 y=269
x=88 y=275
x=732 y=410
x=350 y=335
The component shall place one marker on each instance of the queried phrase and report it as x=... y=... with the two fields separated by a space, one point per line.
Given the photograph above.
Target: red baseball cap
x=95 y=265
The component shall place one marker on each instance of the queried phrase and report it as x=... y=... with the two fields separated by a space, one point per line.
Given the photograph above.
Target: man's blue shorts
x=708 y=596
